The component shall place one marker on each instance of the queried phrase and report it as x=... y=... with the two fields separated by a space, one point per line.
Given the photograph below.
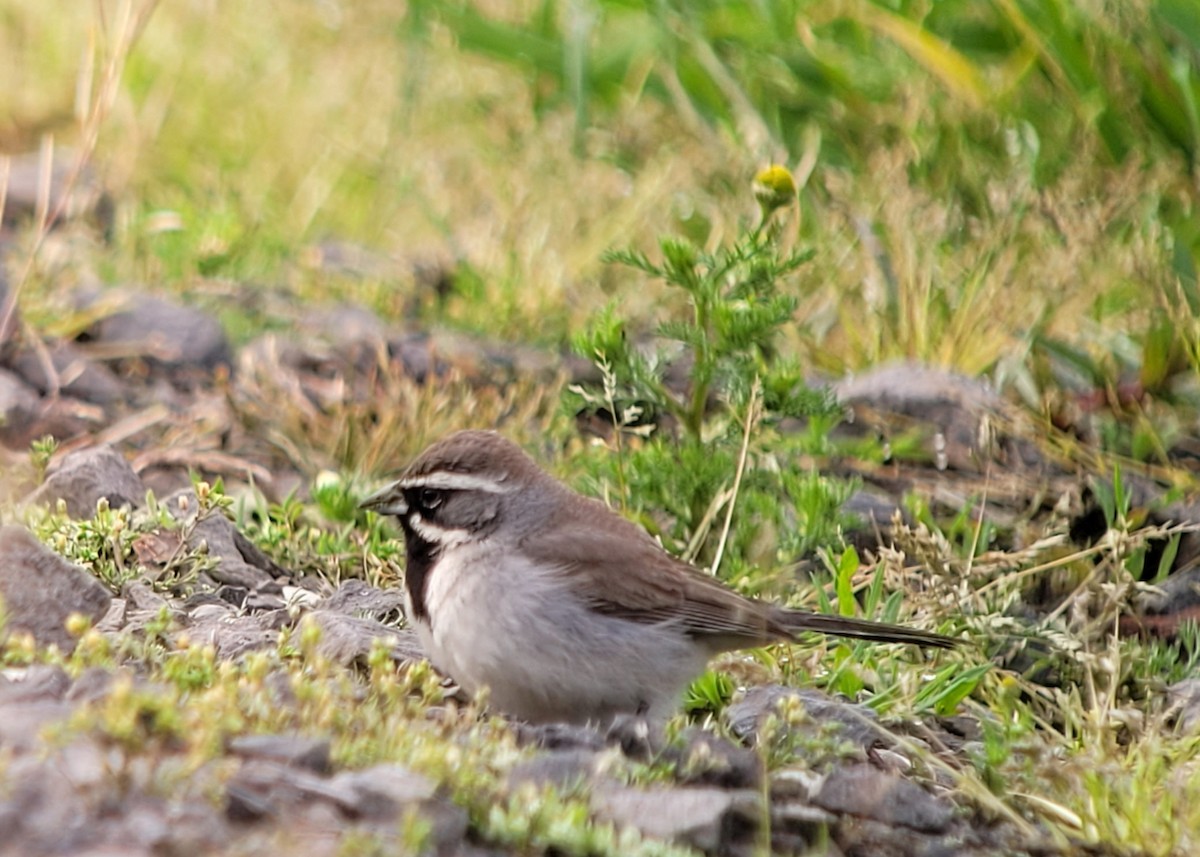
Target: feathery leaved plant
x=713 y=380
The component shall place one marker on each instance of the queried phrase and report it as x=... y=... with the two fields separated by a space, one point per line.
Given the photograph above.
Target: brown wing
x=622 y=572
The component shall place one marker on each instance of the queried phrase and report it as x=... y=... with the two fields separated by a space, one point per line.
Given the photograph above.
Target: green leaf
x=846 y=569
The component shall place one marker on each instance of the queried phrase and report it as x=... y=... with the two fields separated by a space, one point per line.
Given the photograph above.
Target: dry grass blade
x=92 y=107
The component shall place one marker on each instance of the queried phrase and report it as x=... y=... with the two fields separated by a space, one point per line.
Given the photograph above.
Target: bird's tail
x=862 y=629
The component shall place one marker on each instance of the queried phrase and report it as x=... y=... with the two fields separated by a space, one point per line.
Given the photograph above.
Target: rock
x=18 y=401
x=262 y=788
x=798 y=828
x=312 y=754
x=344 y=258
x=85 y=476
x=358 y=598
x=40 y=812
x=867 y=792
x=963 y=416
x=23 y=723
x=345 y=326
x=255 y=556
x=417 y=357
x=1184 y=697
x=85 y=197
x=77 y=374
x=165 y=334
x=41 y=589
x=434 y=354
x=349 y=639
x=92 y=686
x=381 y=795
x=865 y=836
x=222 y=541
x=826 y=718
x=115 y=617
x=704 y=758
x=33 y=683
x=25 y=416
x=381 y=792
x=713 y=820
x=559 y=736
x=144 y=599
x=232 y=635
x=385 y=793
x=562 y=769
x=636 y=737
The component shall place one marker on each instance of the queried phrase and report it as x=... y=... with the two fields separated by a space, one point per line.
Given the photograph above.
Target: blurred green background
x=981 y=180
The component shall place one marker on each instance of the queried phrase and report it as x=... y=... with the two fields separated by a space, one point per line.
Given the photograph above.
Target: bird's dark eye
x=430 y=498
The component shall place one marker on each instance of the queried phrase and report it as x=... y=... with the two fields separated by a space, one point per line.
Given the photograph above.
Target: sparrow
x=563 y=609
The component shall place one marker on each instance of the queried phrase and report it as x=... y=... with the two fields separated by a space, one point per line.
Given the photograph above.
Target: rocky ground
x=97 y=752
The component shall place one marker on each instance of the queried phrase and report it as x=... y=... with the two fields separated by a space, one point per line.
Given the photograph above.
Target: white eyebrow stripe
x=458 y=482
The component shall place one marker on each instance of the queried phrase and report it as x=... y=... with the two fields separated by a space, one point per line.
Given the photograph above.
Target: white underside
x=501 y=623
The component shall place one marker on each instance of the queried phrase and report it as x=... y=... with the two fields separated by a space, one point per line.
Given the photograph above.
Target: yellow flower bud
x=774 y=188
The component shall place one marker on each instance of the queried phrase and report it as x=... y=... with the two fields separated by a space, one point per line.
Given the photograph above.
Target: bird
x=562 y=608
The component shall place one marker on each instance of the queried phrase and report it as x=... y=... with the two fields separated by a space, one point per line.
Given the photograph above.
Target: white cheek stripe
x=458 y=482
x=444 y=537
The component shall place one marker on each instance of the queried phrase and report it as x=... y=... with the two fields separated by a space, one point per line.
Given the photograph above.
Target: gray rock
x=165 y=333
x=143 y=598
x=349 y=639
x=232 y=635
x=560 y=736
x=262 y=788
x=1184 y=697
x=23 y=723
x=221 y=540
x=309 y=753
x=382 y=792
x=799 y=827
x=26 y=416
x=962 y=414
x=562 y=769
x=713 y=820
x=827 y=718
x=18 y=401
x=77 y=374
x=704 y=758
x=345 y=326
x=115 y=618
x=33 y=684
x=41 y=589
x=358 y=598
x=85 y=476
x=25 y=181
x=865 y=836
x=40 y=811
x=92 y=686
x=867 y=792
x=416 y=355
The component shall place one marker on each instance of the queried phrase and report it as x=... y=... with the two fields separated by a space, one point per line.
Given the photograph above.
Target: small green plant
x=709 y=694
x=736 y=305
x=694 y=414
x=155 y=544
x=335 y=539
x=40 y=453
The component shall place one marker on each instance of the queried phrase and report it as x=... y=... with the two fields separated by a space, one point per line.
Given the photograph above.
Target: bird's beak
x=387 y=501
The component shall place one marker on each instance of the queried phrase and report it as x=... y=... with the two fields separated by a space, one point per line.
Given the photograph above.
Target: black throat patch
x=421 y=555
